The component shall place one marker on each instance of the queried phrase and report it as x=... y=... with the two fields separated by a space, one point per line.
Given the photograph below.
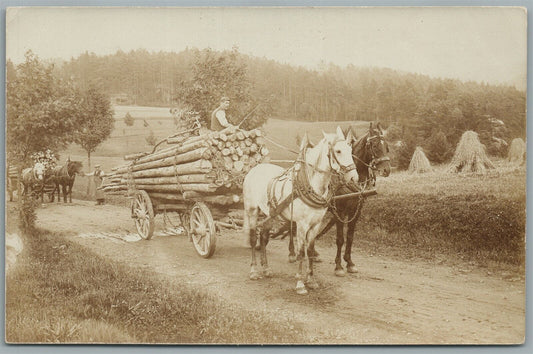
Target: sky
x=466 y=43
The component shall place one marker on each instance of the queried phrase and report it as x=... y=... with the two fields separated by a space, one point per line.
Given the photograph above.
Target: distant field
x=126 y=140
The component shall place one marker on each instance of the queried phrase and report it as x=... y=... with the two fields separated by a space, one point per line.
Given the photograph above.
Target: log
x=254 y=148
x=260 y=140
x=225 y=152
x=248 y=141
x=199 y=166
x=135 y=156
x=264 y=151
x=169 y=161
x=228 y=162
x=229 y=144
x=195 y=187
x=235 y=157
x=239 y=151
x=198 y=178
x=232 y=137
x=240 y=135
x=172 y=151
x=221 y=145
x=202 y=153
x=223 y=137
x=168 y=196
x=238 y=166
x=220 y=199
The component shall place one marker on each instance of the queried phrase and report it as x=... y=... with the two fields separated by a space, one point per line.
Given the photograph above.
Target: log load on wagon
x=193 y=172
x=194 y=167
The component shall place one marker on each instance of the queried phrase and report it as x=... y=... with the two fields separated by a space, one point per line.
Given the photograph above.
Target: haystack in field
x=419 y=162
x=470 y=155
x=517 y=151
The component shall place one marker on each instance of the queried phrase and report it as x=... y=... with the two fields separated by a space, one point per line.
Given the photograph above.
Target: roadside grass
x=446 y=217
x=59 y=292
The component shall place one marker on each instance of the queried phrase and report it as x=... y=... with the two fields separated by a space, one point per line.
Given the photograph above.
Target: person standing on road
x=98 y=179
x=218 y=117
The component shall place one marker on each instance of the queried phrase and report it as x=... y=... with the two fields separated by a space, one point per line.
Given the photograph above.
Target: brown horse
x=370 y=156
x=64 y=176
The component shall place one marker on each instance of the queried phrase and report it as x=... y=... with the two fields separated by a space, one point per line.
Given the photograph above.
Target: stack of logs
x=209 y=167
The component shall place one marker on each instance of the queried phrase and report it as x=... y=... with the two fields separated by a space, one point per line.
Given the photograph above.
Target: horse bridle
x=375 y=161
x=331 y=154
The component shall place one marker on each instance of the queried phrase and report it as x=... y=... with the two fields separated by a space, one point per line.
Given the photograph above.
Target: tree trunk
x=89 y=180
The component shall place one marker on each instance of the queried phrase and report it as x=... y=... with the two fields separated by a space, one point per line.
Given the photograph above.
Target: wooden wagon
x=197 y=178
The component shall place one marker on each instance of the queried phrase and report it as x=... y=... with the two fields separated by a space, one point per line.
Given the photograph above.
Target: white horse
x=33 y=176
x=268 y=186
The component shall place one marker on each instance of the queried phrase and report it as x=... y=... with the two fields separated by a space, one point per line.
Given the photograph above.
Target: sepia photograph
x=265 y=175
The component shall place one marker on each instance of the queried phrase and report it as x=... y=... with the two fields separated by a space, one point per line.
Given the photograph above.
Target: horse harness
x=301 y=187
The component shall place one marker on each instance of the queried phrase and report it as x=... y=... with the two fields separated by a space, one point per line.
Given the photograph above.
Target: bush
x=394 y=133
x=128 y=119
x=26 y=213
x=438 y=148
x=151 y=138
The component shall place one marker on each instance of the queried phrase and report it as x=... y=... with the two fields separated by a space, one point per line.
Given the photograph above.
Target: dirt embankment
x=388 y=301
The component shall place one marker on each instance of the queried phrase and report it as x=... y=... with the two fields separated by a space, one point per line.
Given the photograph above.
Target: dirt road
x=388 y=302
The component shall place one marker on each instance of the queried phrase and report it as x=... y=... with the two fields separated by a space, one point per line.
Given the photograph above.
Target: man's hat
x=224 y=99
x=96 y=166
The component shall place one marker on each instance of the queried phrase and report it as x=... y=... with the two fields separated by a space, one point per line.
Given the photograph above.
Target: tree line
x=417 y=109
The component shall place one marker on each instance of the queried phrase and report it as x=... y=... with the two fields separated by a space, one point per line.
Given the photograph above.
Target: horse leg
x=265 y=233
x=339 y=271
x=292 y=254
x=70 y=191
x=350 y=266
x=250 y=221
x=311 y=282
x=302 y=255
x=64 y=189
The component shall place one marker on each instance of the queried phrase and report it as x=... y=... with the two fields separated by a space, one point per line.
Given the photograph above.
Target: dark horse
x=64 y=176
x=370 y=156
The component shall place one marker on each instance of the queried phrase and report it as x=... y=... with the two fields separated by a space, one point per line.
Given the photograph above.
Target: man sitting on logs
x=218 y=117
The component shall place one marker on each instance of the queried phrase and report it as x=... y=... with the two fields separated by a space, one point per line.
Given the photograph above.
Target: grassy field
x=58 y=291
x=443 y=216
x=437 y=213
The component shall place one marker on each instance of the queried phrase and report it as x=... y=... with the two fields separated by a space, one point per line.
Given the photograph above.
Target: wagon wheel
x=142 y=213
x=202 y=230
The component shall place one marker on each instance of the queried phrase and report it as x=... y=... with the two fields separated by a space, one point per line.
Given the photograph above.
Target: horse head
x=333 y=153
x=377 y=148
x=38 y=171
x=74 y=167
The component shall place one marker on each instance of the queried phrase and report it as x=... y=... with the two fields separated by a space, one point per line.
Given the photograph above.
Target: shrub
x=151 y=138
x=128 y=119
x=438 y=148
x=26 y=213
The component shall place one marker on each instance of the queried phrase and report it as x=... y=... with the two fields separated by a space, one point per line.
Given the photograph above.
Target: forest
x=416 y=107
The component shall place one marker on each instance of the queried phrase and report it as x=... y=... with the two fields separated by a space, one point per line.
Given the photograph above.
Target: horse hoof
x=312 y=284
x=340 y=272
x=292 y=259
x=352 y=269
x=267 y=273
x=255 y=275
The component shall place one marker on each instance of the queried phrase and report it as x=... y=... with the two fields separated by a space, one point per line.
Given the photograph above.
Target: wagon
x=195 y=216
x=194 y=182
